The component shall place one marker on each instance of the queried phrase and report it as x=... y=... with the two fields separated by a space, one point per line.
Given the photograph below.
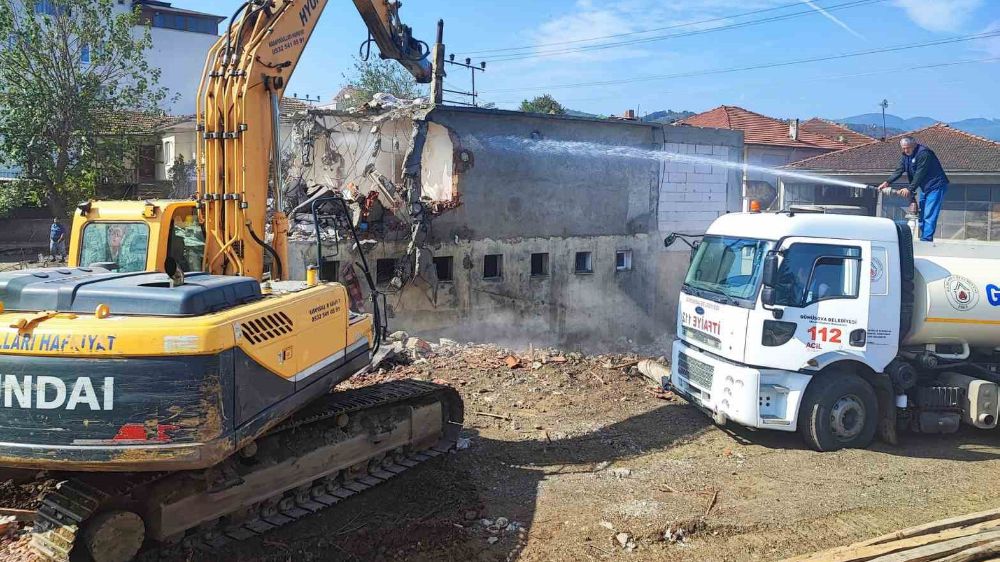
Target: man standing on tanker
x=924 y=171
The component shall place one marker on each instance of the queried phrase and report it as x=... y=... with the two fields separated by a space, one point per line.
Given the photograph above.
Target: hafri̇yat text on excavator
x=165 y=409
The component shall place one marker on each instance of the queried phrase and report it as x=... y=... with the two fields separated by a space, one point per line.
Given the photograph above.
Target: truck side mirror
x=770 y=276
x=767 y=300
x=767 y=295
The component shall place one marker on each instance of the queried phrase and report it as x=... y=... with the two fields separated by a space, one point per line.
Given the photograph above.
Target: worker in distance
x=924 y=172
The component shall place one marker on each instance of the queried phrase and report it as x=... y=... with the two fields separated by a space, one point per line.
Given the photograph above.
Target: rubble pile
x=403 y=356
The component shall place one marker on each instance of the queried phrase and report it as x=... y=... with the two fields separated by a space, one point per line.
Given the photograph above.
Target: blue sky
x=817 y=28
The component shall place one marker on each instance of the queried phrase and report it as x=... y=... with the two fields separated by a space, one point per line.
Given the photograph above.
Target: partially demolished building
x=473 y=237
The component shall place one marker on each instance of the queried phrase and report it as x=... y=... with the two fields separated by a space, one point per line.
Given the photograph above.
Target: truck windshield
x=728 y=266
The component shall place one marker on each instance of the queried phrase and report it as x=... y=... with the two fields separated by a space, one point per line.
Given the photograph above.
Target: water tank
x=957 y=294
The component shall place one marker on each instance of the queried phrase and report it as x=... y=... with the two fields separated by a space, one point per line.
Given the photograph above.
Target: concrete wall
x=519 y=203
x=25 y=234
x=691 y=196
x=517 y=194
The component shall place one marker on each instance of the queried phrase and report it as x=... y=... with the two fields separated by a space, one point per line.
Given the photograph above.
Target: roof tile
x=760 y=129
x=836 y=131
x=957 y=150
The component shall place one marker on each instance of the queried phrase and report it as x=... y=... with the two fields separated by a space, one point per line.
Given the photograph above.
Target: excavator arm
x=238 y=120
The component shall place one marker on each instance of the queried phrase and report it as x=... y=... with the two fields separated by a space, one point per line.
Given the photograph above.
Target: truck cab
x=133 y=236
x=773 y=301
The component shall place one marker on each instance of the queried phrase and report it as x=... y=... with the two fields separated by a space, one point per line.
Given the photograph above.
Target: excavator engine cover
x=81 y=290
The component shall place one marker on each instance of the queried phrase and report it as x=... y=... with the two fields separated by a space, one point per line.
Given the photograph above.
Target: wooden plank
x=18 y=514
x=861 y=552
x=935 y=526
x=977 y=554
x=990 y=518
x=939 y=550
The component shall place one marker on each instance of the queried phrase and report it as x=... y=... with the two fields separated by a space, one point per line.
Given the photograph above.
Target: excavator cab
x=132 y=236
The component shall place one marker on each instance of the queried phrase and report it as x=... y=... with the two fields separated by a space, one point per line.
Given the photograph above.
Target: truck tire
x=839 y=411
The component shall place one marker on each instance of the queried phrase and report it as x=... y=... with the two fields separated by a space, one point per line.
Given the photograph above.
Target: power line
x=738 y=25
x=599 y=38
x=757 y=66
x=892 y=70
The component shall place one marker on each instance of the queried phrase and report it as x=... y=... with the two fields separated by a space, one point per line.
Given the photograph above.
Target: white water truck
x=839 y=327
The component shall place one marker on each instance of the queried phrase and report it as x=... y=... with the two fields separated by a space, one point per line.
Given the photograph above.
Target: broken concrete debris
x=499 y=527
x=418 y=347
x=626 y=541
x=621 y=473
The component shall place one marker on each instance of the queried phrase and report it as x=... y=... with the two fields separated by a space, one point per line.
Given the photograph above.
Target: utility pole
x=437 y=87
x=884 y=105
x=473 y=69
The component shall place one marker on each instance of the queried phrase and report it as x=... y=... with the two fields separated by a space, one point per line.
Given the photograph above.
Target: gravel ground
x=587 y=452
x=581 y=455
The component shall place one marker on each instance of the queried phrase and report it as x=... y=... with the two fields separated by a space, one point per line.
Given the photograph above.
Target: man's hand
x=883 y=186
x=904 y=193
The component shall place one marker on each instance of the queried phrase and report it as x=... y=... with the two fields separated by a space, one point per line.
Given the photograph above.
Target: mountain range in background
x=668 y=116
x=867 y=123
x=871 y=124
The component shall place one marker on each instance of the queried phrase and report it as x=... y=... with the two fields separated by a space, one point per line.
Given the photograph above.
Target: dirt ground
x=586 y=452
x=573 y=451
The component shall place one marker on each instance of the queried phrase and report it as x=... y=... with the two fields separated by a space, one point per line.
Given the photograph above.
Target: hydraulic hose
x=274 y=255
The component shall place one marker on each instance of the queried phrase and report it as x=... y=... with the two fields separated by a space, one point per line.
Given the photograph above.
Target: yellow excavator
x=163 y=389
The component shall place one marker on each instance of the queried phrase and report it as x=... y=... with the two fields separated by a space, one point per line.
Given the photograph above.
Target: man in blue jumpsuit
x=57 y=240
x=924 y=171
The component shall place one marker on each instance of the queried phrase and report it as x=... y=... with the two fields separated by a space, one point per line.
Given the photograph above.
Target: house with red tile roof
x=835 y=131
x=971 y=208
x=772 y=142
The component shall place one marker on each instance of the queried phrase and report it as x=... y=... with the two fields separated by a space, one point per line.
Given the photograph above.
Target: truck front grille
x=696 y=372
x=701 y=337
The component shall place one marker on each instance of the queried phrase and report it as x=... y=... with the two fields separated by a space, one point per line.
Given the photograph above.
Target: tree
x=543 y=104
x=66 y=72
x=387 y=76
x=181 y=174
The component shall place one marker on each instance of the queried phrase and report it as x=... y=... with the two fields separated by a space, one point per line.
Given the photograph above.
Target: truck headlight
x=777 y=333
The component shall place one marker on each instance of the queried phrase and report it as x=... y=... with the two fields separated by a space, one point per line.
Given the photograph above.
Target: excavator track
x=68 y=514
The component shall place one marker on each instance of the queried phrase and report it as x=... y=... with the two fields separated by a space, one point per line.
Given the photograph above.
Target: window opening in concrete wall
x=539 y=265
x=384 y=269
x=584 y=262
x=330 y=271
x=445 y=267
x=492 y=266
x=623 y=260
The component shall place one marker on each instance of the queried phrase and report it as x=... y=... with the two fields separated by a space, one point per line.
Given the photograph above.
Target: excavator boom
x=245 y=78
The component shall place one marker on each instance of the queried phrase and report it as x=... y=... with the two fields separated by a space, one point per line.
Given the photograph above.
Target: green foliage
x=181 y=173
x=56 y=109
x=543 y=104
x=376 y=75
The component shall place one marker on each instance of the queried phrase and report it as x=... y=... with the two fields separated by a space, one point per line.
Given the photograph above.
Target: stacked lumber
x=968 y=538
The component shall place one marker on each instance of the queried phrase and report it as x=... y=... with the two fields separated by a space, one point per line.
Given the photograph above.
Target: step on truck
x=838 y=327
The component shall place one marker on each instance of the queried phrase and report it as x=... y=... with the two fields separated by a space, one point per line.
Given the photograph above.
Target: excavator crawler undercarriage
x=335 y=448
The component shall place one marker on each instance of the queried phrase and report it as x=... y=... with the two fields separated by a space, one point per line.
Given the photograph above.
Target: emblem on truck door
x=877 y=270
x=961 y=292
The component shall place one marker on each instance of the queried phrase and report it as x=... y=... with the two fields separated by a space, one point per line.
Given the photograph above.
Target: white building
x=181 y=41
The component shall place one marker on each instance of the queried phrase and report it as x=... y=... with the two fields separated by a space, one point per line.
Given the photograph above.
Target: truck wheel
x=839 y=410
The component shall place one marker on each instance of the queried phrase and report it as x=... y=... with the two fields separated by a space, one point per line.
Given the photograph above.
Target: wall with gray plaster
x=510 y=194
x=516 y=204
